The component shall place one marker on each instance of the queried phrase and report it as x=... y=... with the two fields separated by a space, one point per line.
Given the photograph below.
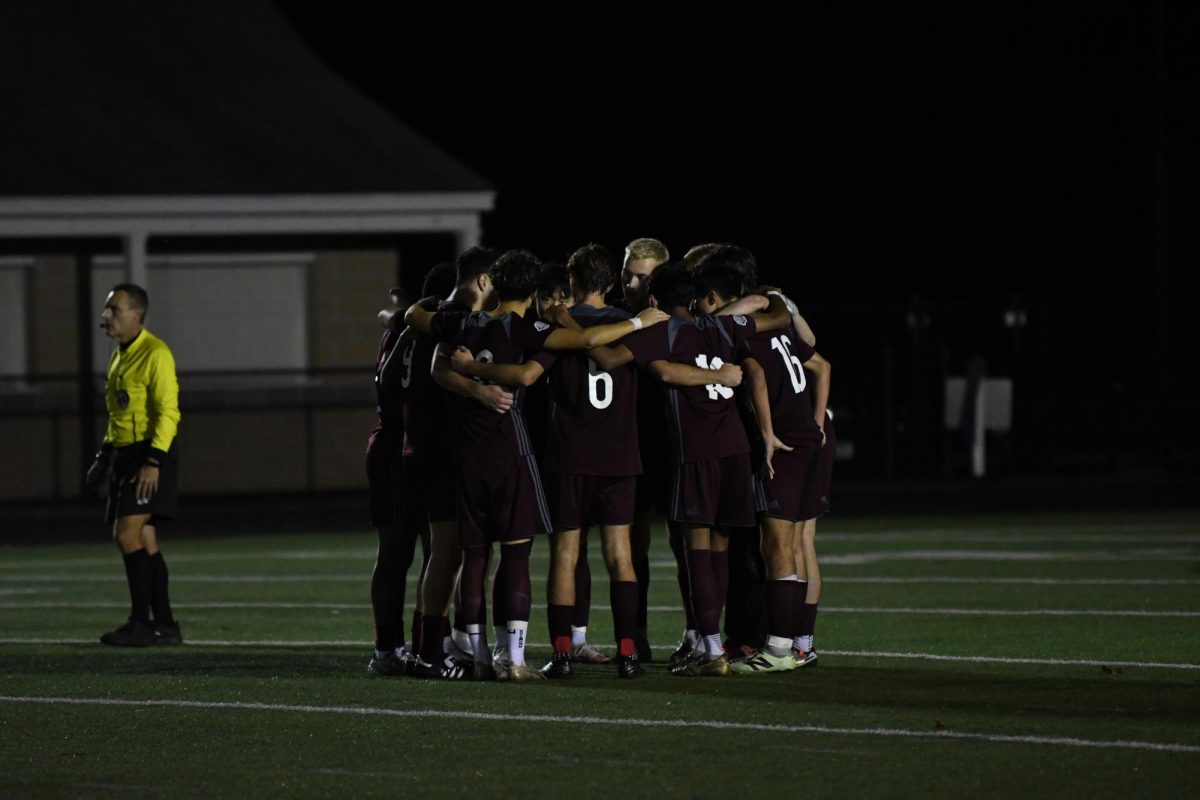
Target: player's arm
x=775 y=316
x=420 y=314
x=390 y=318
x=597 y=335
x=609 y=357
x=759 y=399
x=496 y=398
x=394 y=366
x=162 y=408
x=750 y=304
x=821 y=371
x=678 y=374
x=463 y=362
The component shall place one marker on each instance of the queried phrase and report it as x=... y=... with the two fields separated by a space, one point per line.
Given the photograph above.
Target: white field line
x=366 y=644
x=1015 y=581
x=1164 y=554
x=983 y=612
x=626 y=722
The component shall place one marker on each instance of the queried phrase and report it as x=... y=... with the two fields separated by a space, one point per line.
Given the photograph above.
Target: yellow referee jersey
x=142 y=394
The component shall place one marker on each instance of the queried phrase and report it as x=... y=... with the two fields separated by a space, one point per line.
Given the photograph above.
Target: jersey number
x=795 y=369
x=406 y=358
x=715 y=390
x=598 y=378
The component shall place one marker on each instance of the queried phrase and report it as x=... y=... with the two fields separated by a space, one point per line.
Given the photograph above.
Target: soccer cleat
x=699 y=668
x=517 y=672
x=167 y=634
x=586 y=654
x=559 y=667
x=485 y=671
x=628 y=667
x=499 y=653
x=641 y=644
x=763 y=660
x=387 y=664
x=133 y=633
x=682 y=653
x=423 y=669
x=457 y=669
x=739 y=652
x=803 y=659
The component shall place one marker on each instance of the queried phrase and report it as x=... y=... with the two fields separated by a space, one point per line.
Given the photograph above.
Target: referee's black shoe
x=167 y=634
x=133 y=633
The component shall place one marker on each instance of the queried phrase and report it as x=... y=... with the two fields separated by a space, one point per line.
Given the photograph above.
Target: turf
x=1056 y=688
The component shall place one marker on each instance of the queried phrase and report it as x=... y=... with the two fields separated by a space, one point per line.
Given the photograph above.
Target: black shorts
x=122 y=494
x=579 y=500
x=429 y=488
x=715 y=491
x=791 y=494
x=384 y=477
x=499 y=500
x=824 y=471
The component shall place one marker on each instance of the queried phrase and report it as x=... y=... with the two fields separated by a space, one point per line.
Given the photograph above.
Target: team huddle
x=700 y=398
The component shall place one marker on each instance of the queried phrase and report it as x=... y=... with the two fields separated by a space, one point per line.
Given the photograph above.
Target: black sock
x=160 y=599
x=139 y=574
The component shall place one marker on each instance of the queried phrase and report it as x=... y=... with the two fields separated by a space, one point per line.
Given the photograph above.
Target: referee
x=139 y=457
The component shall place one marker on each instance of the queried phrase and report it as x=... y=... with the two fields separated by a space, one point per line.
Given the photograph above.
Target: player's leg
x=709 y=658
x=639 y=539
x=166 y=628
x=805 y=642
x=564 y=553
x=437 y=586
x=515 y=601
x=778 y=546
x=623 y=596
x=581 y=651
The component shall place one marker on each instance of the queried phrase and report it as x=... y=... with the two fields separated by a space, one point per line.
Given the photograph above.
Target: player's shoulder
x=591 y=315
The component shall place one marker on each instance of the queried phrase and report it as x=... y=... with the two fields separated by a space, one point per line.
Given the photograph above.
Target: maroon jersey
x=424 y=400
x=704 y=420
x=592 y=427
x=507 y=339
x=782 y=355
x=387 y=408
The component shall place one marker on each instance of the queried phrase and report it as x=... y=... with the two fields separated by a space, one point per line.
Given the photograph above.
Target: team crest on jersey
x=740 y=319
x=540 y=326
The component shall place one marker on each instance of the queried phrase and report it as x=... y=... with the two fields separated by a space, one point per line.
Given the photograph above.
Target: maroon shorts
x=790 y=494
x=579 y=500
x=384 y=477
x=499 y=500
x=715 y=491
x=824 y=470
x=429 y=487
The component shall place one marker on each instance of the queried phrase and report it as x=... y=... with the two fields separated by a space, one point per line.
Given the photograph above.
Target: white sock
x=517 y=629
x=578 y=636
x=479 y=648
x=778 y=645
x=448 y=644
x=461 y=640
x=690 y=636
x=803 y=643
x=501 y=635
x=713 y=647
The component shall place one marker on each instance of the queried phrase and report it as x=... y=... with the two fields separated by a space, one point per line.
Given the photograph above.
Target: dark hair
x=555 y=280
x=671 y=285
x=137 y=297
x=725 y=281
x=516 y=275
x=473 y=262
x=739 y=259
x=592 y=268
x=439 y=281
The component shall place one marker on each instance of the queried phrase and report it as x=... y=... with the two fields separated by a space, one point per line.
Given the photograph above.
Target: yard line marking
x=38 y=590
x=1007 y=555
x=985 y=612
x=1005 y=581
x=631 y=722
x=366 y=643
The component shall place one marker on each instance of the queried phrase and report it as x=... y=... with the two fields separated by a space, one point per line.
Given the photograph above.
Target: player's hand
x=822 y=437
x=772 y=444
x=497 y=398
x=429 y=303
x=147 y=483
x=390 y=318
x=460 y=358
x=729 y=375
x=97 y=472
x=560 y=315
x=653 y=316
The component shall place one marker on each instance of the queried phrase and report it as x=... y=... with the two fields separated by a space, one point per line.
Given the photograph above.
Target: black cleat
x=642 y=645
x=133 y=633
x=628 y=667
x=387 y=664
x=167 y=634
x=559 y=666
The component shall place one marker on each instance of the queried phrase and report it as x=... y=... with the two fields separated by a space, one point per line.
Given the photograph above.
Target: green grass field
x=1045 y=655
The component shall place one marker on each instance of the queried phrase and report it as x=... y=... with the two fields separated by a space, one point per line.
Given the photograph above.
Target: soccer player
x=140 y=458
x=642 y=257
x=713 y=484
x=499 y=495
x=804 y=645
x=775 y=367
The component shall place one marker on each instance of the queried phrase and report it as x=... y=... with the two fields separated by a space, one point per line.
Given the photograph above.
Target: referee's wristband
x=637 y=323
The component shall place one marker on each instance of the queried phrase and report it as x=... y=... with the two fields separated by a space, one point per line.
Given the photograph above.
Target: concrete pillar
x=136 y=269
x=470 y=235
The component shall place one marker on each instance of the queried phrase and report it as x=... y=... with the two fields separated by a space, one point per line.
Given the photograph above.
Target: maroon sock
x=798 y=606
x=583 y=585
x=720 y=569
x=675 y=539
x=623 y=595
x=139 y=576
x=415 y=637
x=473 y=574
x=781 y=609
x=704 y=592
x=641 y=568
x=160 y=600
x=559 y=618
x=808 y=620
x=514 y=566
x=433 y=631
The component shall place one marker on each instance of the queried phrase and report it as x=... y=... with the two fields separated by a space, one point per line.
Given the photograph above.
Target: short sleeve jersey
x=782 y=356
x=703 y=420
x=424 y=401
x=507 y=339
x=593 y=414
